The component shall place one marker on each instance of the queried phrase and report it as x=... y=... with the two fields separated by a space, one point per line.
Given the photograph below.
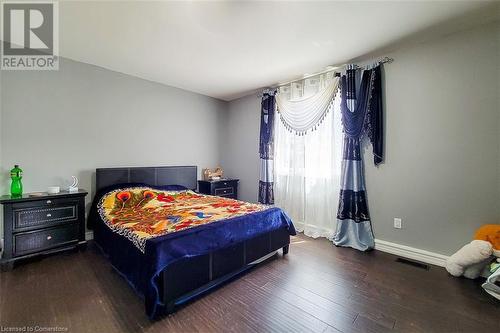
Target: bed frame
x=187 y=278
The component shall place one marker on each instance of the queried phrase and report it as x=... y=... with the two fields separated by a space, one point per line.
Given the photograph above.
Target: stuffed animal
x=472 y=258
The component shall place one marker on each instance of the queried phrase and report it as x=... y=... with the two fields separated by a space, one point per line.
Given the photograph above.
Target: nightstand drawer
x=224 y=191
x=224 y=183
x=45 y=203
x=42 y=216
x=33 y=241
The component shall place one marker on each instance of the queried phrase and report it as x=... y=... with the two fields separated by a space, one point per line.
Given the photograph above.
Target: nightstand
x=42 y=225
x=223 y=188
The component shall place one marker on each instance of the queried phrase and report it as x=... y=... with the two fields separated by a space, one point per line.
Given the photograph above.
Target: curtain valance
x=305 y=113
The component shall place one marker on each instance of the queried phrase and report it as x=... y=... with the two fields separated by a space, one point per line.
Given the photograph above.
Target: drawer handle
x=49 y=215
x=49 y=237
x=49 y=202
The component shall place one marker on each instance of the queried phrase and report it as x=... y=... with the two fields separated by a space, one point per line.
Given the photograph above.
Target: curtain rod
x=383 y=61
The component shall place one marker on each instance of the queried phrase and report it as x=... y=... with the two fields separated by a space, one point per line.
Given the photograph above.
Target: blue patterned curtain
x=361 y=114
x=266 y=148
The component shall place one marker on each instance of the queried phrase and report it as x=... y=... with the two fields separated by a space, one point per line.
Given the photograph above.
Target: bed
x=172 y=244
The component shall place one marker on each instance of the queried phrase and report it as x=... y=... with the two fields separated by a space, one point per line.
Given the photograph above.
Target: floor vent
x=413 y=263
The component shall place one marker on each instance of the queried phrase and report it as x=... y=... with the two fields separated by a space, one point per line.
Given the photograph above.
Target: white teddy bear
x=470 y=260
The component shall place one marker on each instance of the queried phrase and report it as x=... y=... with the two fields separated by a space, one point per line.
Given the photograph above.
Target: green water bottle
x=16 y=188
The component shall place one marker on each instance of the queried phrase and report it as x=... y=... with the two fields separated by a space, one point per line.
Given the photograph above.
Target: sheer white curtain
x=307 y=167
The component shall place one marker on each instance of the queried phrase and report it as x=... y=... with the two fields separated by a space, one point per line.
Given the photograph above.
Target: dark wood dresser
x=223 y=188
x=42 y=225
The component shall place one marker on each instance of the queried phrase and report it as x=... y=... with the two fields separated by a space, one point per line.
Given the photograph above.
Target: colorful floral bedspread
x=140 y=213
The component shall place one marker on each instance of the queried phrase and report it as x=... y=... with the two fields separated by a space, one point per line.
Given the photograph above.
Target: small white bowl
x=53 y=189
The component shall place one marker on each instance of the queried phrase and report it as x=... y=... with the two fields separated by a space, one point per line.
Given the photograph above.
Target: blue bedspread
x=143 y=269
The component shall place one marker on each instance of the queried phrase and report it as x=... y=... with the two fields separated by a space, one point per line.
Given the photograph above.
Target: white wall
x=2 y=171
x=55 y=124
x=3 y=175
x=442 y=169
x=2 y=189
x=241 y=146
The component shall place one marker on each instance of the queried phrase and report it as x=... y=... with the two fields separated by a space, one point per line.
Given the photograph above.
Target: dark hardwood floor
x=316 y=288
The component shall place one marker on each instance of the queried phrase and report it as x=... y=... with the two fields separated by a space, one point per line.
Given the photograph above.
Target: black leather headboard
x=165 y=175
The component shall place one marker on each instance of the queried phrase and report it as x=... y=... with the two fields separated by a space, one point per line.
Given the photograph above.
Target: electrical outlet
x=398 y=223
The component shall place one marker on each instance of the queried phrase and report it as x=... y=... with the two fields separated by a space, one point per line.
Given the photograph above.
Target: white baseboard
x=89 y=235
x=411 y=253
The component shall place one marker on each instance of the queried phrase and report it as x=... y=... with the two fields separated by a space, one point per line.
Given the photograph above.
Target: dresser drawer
x=224 y=183
x=224 y=191
x=44 y=202
x=45 y=215
x=33 y=241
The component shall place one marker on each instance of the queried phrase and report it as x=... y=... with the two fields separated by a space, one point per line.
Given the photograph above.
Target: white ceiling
x=228 y=49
